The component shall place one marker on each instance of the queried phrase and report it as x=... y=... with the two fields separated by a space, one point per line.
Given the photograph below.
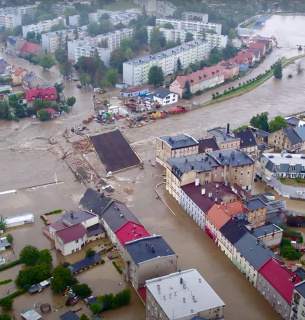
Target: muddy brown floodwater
x=31 y=152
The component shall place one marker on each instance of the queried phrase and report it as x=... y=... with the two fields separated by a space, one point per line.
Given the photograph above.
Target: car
x=78 y=86
x=302 y=249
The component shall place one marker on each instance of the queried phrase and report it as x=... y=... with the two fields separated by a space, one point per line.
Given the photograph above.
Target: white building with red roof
x=41 y=94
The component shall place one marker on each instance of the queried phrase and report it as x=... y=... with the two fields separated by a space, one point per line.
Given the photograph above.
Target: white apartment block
x=204 y=17
x=42 y=26
x=9 y=20
x=115 y=17
x=59 y=8
x=190 y=26
x=88 y=51
x=135 y=72
x=213 y=40
x=165 y=8
x=51 y=40
x=113 y=40
x=149 y=5
x=74 y=20
x=20 y=11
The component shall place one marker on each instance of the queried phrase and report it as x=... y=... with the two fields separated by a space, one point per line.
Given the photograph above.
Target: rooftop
x=232 y=157
x=266 y=230
x=300 y=288
x=148 y=248
x=31 y=314
x=246 y=138
x=85 y=263
x=233 y=230
x=30 y=47
x=285 y=158
x=94 y=201
x=179 y=141
x=71 y=218
x=280 y=277
x=162 y=93
x=217 y=216
x=95 y=229
x=300 y=131
x=43 y=93
x=69 y=315
x=209 y=143
x=183 y=294
x=71 y=233
x=292 y=135
x=293 y=121
x=254 y=204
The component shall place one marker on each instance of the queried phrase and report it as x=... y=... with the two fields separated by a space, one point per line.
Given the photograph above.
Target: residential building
x=298 y=302
x=187 y=15
x=247 y=141
x=224 y=137
x=261 y=47
x=148 y=258
x=94 y=201
x=134 y=91
x=190 y=25
x=150 y=6
x=43 y=26
x=182 y=295
x=295 y=122
x=20 y=10
x=5 y=67
x=286 y=139
x=84 y=264
x=41 y=94
x=164 y=97
x=115 y=17
x=270 y=234
x=205 y=78
x=249 y=255
x=300 y=131
x=51 y=41
x=14 y=45
x=59 y=8
x=207 y=145
x=175 y=146
x=31 y=48
x=230 y=69
x=17 y=76
x=135 y=72
x=165 y=8
x=256 y=212
x=244 y=59
x=74 y=20
x=30 y=81
x=9 y=20
x=276 y=282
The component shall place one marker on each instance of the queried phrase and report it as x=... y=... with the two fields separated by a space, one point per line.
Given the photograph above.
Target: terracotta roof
x=19 y=71
x=43 y=93
x=131 y=231
x=50 y=110
x=72 y=233
x=246 y=53
x=257 y=45
x=233 y=208
x=217 y=216
x=280 y=278
x=30 y=47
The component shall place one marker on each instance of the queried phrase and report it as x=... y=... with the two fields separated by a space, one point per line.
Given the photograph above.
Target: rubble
x=83 y=146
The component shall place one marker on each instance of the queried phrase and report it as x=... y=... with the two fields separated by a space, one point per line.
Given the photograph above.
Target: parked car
x=78 y=86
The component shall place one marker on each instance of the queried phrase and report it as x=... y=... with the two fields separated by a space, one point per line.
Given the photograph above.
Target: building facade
x=43 y=26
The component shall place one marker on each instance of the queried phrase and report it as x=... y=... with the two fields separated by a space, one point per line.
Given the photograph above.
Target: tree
x=31 y=275
x=5 y=112
x=66 y=69
x=71 y=101
x=179 y=65
x=61 y=55
x=85 y=79
x=95 y=308
x=46 y=61
x=187 y=94
x=6 y=304
x=278 y=74
x=29 y=255
x=10 y=239
x=45 y=257
x=229 y=52
x=44 y=17
x=82 y=290
x=277 y=123
x=122 y=298
x=155 y=76
x=2 y=223
x=82 y=317
x=107 y=300
x=112 y=76
x=232 y=34
x=62 y=278
x=189 y=37
x=260 y=121
x=44 y=115
x=168 y=25
x=4 y=316
x=90 y=252
x=290 y=252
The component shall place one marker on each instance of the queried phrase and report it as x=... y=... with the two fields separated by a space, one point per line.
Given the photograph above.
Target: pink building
x=230 y=69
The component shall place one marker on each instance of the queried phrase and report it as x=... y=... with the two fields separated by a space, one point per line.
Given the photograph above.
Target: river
x=28 y=159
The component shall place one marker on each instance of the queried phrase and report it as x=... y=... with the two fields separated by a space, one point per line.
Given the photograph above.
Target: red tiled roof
x=218 y=216
x=131 y=231
x=30 y=47
x=246 y=53
x=234 y=208
x=19 y=71
x=43 y=93
x=257 y=45
x=278 y=277
x=72 y=233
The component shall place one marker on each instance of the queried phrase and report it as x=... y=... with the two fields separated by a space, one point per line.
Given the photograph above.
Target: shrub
x=117 y=267
x=11 y=264
x=5 y=281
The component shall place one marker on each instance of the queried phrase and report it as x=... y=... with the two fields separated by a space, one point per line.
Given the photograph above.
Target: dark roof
x=233 y=231
x=69 y=315
x=270 y=166
x=179 y=141
x=292 y=136
x=234 y=158
x=300 y=272
x=209 y=143
x=94 y=201
x=254 y=251
x=254 y=204
x=162 y=93
x=261 y=133
x=266 y=229
x=85 y=263
x=71 y=217
x=35 y=288
x=300 y=131
x=148 y=248
x=247 y=138
x=114 y=151
x=71 y=233
x=275 y=220
x=300 y=288
x=117 y=214
x=293 y=121
x=95 y=230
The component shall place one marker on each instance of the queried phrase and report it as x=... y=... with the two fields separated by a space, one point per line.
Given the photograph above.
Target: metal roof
x=19 y=218
x=266 y=230
x=180 y=141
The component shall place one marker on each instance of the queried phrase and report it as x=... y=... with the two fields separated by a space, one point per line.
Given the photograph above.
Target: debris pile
x=83 y=146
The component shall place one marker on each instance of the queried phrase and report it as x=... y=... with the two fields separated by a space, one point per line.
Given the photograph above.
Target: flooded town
x=193 y=208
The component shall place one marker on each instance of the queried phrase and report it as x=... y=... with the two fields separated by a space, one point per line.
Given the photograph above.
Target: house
x=134 y=91
x=224 y=137
x=175 y=146
x=207 y=145
x=94 y=201
x=30 y=81
x=5 y=67
x=72 y=239
x=85 y=264
x=203 y=79
x=164 y=97
x=31 y=48
x=298 y=301
x=242 y=62
x=41 y=94
x=256 y=212
x=130 y=231
x=14 y=45
x=247 y=141
x=295 y=122
x=249 y=255
x=261 y=47
x=286 y=139
x=270 y=234
x=230 y=69
x=276 y=282
x=69 y=315
x=300 y=131
x=182 y=295
x=249 y=55
x=147 y=258
x=17 y=76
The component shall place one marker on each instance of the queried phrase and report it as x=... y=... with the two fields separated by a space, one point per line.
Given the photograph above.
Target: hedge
x=11 y=264
x=14 y=294
x=117 y=267
x=52 y=212
x=5 y=281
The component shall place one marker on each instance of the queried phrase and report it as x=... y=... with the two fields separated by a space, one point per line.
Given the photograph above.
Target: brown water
x=29 y=159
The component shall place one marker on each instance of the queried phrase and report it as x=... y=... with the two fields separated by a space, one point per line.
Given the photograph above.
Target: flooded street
x=31 y=154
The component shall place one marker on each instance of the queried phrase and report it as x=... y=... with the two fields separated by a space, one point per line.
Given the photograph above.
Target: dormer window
x=46 y=95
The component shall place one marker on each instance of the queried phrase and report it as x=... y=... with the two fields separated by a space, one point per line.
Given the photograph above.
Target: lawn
x=293 y=182
x=120 y=6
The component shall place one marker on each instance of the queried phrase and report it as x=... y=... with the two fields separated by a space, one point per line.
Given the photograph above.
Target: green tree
x=122 y=298
x=112 y=76
x=46 y=61
x=30 y=35
x=189 y=37
x=65 y=69
x=75 y=33
x=168 y=25
x=260 y=121
x=290 y=252
x=85 y=79
x=232 y=34
x=107 y=300
x=179 y=65
x=277 y=123
x=10 y=239
x=229 y=51
x=82 y=290
x=157 y=41
x=44 y=115
x=2 y=223
x=61 y=55
x=62 y=278
x=45 y=257
x=82 y=317
x=95 y=308
x=29 y=255
x=4 y=316
x=188 y=93
x=31 y=275
x=6 y=304
x=71 y=101
x=5 y=112
x=46 y=16
x=155 y=76
x=90 y=252
x=278 y=74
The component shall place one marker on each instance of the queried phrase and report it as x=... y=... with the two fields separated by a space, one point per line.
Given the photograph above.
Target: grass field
x=120 y=6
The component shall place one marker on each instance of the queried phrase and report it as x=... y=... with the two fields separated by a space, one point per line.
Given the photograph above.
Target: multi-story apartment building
x=182 y=295
x=20 y=10
x=135 y=71
x=224 y=137
x=204 y=17
x=74 y=20
x=298 y=302
x=115 y=17
x=9 y=20
x=149 y=5
x=165 y=8
x=190 y=26
x=42 y=26
x=53 y=40
x=59 y=8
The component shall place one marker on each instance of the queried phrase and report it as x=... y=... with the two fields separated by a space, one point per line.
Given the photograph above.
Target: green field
x=120 y=6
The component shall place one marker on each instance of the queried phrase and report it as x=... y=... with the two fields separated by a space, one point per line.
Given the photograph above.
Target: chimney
x=72 y=215
x=228 y=128
x=181 y=280
x=265 y=233
x=202 y=191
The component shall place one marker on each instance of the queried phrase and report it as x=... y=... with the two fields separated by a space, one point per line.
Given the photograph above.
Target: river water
x=29 y=160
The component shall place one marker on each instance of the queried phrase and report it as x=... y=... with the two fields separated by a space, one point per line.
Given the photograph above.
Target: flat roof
x=114 y=151
x=183 y=293
x=179 y=141
x=30 y=314
x=266 y=230
x=285 y=158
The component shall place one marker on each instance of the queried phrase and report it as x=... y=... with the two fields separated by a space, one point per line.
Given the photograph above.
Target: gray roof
x=222 y=135
x=117 y=214
x=180 y=141
x=254 y=204
x=293 y=121
x=69 y=315
x=29 y=77
x=292 y=136
x=300 y=288
x=95 y=230
x=261 y=133
x=148 y=248
x=233 y=231
x=94 y=201
x=247 y=138
x=162 y=93
x=232 y=157
x=300 y=131
x=71 y=218
x=84 y=263
x=285 y=160
x=265 y=230
x=209 y=143
x=255 y=254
